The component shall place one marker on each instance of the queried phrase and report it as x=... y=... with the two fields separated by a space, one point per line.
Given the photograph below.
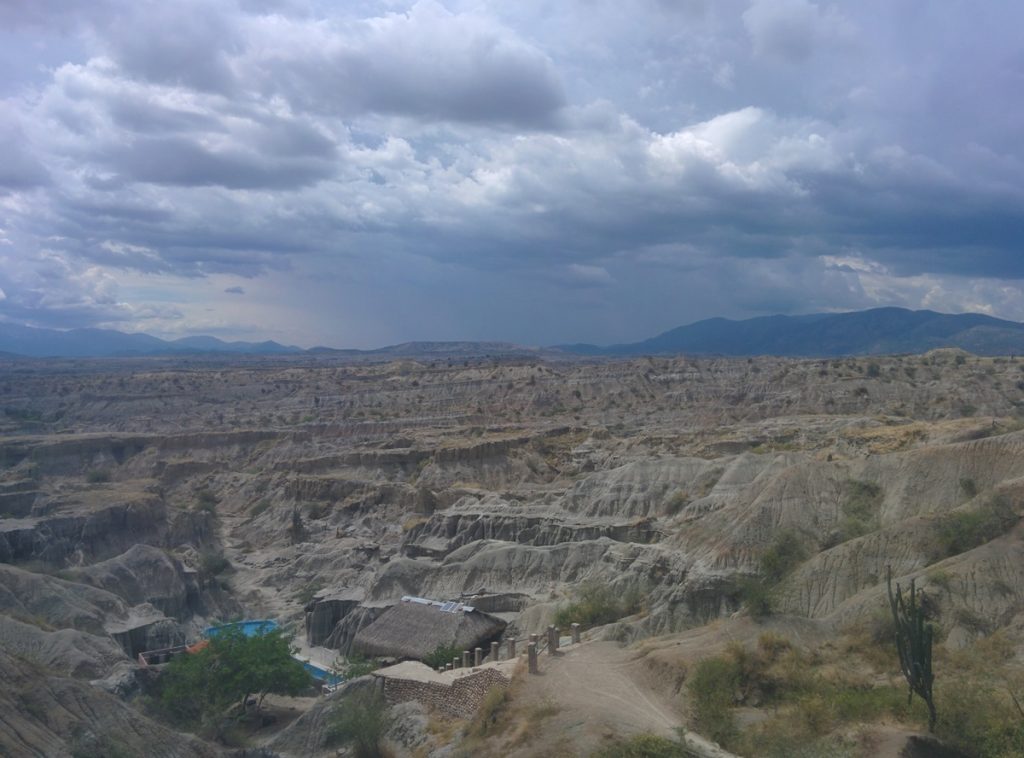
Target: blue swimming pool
x=251 y=628
x=322 y=675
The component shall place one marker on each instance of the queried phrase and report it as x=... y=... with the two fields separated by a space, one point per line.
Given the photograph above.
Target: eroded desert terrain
x=141 y=500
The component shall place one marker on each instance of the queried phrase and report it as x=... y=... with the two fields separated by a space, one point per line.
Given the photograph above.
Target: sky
x=363 y=173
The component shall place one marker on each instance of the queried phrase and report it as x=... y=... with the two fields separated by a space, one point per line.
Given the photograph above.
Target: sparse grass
x=412 y=522
x=980 y=719
x=487 y=720
x=360 y=721
x=546 y=708
x=642 y=746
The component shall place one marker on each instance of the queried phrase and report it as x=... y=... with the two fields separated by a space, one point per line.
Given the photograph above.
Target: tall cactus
x=913 y=643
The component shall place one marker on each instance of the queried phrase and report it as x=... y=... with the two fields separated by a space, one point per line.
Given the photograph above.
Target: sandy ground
x=597 y=691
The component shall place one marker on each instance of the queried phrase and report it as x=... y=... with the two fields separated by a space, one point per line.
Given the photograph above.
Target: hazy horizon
x=382 y=172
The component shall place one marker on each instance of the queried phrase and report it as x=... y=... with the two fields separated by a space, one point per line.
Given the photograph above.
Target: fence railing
x=533 y=646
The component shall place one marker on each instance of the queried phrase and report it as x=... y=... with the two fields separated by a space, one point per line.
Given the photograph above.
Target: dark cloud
x=178 y=161
x=539 y=172
x=20 y=169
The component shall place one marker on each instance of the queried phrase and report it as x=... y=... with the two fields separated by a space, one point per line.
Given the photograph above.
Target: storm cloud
x=384 y=171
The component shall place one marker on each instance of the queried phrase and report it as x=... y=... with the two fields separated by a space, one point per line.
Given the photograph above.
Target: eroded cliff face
x=148 y=501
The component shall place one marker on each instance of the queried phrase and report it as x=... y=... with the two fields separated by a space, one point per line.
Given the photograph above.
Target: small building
x=416 y=627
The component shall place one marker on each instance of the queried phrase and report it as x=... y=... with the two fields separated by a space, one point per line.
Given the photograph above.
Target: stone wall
x=460 y=699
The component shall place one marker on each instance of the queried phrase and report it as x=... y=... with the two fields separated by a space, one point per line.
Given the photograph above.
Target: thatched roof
x=414 y=629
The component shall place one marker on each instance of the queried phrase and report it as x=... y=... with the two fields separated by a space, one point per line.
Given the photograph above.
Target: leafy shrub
x=97 y=476
x=785 y=553
x=598 y=604
x=357 y=665
x=443 y=654
x=317 y=511
x=206 y=501
x=961 y=531
x=861 y=501
x=941 y=579
x=968 y=486
x=212 y=563
x=360 y=721
x=757 y=596
x=711 y=687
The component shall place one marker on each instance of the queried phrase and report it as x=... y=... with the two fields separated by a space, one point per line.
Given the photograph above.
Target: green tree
x=202 y=689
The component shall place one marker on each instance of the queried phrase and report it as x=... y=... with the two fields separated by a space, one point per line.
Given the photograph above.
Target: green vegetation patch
x=960 y=531
x=806 y=707
x=442 y=655
x=598 y=604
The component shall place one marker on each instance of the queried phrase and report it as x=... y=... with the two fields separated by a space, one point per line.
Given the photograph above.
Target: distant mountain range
x=870 y=332
x=875 y=331
x=30 y=342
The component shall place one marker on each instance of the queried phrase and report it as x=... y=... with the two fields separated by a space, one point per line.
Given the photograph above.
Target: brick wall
x=461 y=699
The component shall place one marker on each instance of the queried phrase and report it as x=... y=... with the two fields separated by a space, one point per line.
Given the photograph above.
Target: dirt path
x=597 y=689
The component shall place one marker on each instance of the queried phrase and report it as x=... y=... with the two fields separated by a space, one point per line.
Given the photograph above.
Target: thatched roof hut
x=415 y=628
